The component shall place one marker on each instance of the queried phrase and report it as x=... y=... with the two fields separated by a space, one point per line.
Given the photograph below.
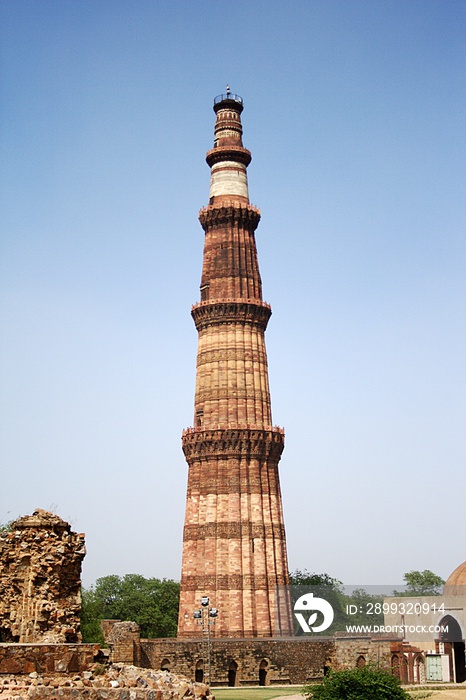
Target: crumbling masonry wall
x=40 y=580
x=239 y=662
x=254 y=661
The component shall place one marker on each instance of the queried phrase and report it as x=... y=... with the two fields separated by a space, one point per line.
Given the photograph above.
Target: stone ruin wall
x=282 y=661
x=40 y=580
x=296 y=660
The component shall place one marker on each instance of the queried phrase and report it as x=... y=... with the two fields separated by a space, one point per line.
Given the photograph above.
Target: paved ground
x=450 y=694
x=454 y=693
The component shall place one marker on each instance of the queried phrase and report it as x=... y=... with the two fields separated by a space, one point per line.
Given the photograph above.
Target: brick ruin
x=41 y=654
x=254 y=661
x=40 y=580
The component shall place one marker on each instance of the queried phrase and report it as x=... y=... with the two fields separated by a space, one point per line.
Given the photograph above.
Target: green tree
x=323 y=586
x=421 y=583
x=152 y=603
x=367 y=683
x=366 y=608
x=305 y=578
x=90 y=618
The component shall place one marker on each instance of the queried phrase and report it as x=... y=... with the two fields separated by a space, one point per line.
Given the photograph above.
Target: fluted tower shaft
x=234 y=547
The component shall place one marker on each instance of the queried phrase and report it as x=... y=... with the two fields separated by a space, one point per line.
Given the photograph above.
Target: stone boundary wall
x=358 y=651
x=47 y=658
x=65 y=693
x=243 y=661
x=254 y=661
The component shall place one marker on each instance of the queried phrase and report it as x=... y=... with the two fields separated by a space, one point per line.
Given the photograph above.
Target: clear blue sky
x=354 y=113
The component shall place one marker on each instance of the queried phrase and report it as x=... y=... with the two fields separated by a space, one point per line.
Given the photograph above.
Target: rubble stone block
x=40 y=580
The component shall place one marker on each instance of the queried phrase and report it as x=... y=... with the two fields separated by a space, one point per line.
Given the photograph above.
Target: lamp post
x=205 y=616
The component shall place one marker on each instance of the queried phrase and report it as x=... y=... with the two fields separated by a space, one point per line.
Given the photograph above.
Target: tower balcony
x=225 y=311
x=234 y=153
x=228 y=100
x=276 y=429
x=230 y=97
x=230 y=211
x=222 y=441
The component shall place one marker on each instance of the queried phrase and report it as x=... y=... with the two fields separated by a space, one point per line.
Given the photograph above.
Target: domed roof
x=456 y=582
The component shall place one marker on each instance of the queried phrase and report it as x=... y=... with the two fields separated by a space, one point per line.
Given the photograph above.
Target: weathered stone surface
x=40 y=580
x=255 y=661
x=22 y=659
x=124 y=640
x=240 y=662
x=117 y=682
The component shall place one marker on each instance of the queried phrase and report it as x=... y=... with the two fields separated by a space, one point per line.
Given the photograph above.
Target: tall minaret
x=234 y=548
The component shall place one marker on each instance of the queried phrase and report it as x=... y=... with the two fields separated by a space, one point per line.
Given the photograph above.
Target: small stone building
x=436 y=626
x=40 y=580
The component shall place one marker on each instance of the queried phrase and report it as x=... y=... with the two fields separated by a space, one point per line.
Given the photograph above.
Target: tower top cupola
x=228 y=159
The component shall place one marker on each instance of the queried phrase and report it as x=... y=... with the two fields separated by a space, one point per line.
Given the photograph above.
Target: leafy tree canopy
x=323 y=585
x=360 y=602
x=421 y=583
x=365 y=683
x=305 y=578
x=151 y=603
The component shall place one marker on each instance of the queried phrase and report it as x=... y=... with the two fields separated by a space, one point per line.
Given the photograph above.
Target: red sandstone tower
x=234 y=548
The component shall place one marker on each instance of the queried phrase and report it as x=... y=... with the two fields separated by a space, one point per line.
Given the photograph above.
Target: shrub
x=367 y=683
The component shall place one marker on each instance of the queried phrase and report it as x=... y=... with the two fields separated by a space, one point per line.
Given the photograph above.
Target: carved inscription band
x=232 y=582
x=232 y=530
x=233 y=354
x=225 y=393
x=250 y=485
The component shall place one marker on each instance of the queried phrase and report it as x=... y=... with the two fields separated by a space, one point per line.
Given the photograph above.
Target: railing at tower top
x=228 y=96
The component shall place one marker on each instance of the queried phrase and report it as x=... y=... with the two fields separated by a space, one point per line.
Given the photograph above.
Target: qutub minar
x=234 y=555
x=234 y=548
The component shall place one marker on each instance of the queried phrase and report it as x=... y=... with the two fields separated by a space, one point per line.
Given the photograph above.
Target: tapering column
x=234 y=548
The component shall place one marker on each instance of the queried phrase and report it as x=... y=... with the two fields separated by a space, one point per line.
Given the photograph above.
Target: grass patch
x=264 y=693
